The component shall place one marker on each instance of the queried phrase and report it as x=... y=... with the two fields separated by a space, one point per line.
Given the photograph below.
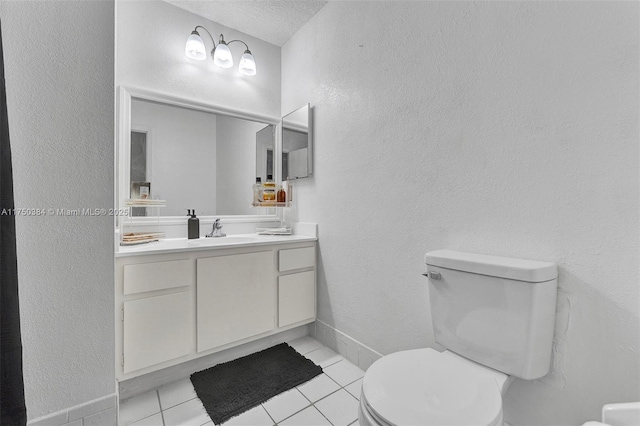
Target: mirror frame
x=123 y=152
x=309 y=141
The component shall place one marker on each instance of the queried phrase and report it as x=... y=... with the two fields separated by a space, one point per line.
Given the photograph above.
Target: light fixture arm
x=210 y=36
x=233 y=41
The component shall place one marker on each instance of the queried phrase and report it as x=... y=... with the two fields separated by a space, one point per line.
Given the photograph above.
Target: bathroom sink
x=218 y=241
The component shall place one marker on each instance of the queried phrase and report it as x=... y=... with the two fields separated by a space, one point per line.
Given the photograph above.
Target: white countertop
x=175 y=245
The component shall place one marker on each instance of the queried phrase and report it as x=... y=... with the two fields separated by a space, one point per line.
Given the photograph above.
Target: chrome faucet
x=216 y=231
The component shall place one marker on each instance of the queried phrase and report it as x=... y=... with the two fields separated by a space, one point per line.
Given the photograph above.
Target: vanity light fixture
x=221 y=54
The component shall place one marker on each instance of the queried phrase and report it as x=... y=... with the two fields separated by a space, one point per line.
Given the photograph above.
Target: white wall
x=151 y=36
x=505 y=128
x=61 y=113
x=235 y=175
x=183 y=156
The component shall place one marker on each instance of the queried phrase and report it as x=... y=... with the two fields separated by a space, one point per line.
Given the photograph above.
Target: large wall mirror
x=195 y=156
x=297 y=137
x=265 y=152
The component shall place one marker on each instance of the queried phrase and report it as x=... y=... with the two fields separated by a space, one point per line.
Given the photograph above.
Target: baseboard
x=354 y=351
x=98 y=412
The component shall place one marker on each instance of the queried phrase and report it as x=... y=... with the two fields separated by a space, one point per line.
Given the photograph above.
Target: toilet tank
x=496 y=311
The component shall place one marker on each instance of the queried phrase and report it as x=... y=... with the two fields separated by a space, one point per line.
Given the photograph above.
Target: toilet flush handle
x=433 y=275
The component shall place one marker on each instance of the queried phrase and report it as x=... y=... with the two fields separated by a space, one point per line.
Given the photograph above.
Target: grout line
x=159 y=401
x=332 y=379
x=305 y=396
x=322 y=414
x=268 y=414
x=303 y=408
x=160 y=405
x=333 y=363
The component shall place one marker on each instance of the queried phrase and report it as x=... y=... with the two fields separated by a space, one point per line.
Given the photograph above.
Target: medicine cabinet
x=297 y=141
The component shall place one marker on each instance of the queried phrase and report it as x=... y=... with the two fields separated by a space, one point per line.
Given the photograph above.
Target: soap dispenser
x=193 y=225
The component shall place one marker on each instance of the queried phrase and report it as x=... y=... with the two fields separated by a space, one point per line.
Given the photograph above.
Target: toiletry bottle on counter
x=281 y=195
x=193 y=225
x=257 y=192
x=269 y=191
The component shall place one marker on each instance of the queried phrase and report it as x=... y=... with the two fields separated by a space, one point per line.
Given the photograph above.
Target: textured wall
x=151 y=35
x=59 y=76
x=505 y=128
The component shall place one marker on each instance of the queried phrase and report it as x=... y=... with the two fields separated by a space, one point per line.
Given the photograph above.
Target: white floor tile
x=355 y=388
x=139 y=407
x=318 y=387
x=190 y=413
x=255 y=417
x=176 y=393
x=307 y=417
x=285 y=404
x=324 y=357
x=344 y=372
x=305 y=344
x=103 y=418
x=341 y=408
x=155 y=420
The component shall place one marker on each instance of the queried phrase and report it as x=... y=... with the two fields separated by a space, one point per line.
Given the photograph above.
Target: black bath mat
x=234 y=387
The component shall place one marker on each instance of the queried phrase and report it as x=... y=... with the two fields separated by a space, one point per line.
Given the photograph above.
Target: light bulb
x=247 y=64
x=222 y=56
x=194 y=48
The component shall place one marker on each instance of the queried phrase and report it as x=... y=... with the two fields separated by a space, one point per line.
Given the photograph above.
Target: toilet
x=495 y=318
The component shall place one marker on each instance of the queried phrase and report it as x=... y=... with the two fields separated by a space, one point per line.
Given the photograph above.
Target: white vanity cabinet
x=157 y=312
x=235 y=295
x=158 y=329
x=296 y=285
x=177 y=306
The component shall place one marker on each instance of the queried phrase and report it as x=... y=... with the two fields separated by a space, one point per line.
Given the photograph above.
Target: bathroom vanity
x=179 y=300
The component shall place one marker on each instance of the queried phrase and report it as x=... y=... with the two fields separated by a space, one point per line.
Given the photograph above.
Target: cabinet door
x=235 y=298
x=157 y=329
x=296 y=298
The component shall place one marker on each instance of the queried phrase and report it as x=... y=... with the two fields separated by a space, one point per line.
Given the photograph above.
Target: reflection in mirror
x=296 y=144
x=139 y=159
x=193 y=159
x=265 y=141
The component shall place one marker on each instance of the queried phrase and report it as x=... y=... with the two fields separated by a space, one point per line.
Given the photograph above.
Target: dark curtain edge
x=12 y=404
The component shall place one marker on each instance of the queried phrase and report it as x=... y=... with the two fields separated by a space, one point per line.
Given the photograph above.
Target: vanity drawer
x=296 y=258
x=144 y=277
x=296 y=298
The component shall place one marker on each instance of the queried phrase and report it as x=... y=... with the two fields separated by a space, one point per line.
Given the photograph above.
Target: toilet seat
x=427 y=387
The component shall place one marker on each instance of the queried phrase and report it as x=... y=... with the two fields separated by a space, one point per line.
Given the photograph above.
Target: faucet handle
x=215 y=229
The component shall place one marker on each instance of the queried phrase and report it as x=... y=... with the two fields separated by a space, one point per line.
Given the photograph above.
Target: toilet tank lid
x=496 y=266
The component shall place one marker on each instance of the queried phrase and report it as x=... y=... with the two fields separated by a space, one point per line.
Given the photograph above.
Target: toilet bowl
x=427 y=387
x=495 y=316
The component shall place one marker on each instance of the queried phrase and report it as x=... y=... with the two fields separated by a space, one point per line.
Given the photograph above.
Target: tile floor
x=330 y=399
